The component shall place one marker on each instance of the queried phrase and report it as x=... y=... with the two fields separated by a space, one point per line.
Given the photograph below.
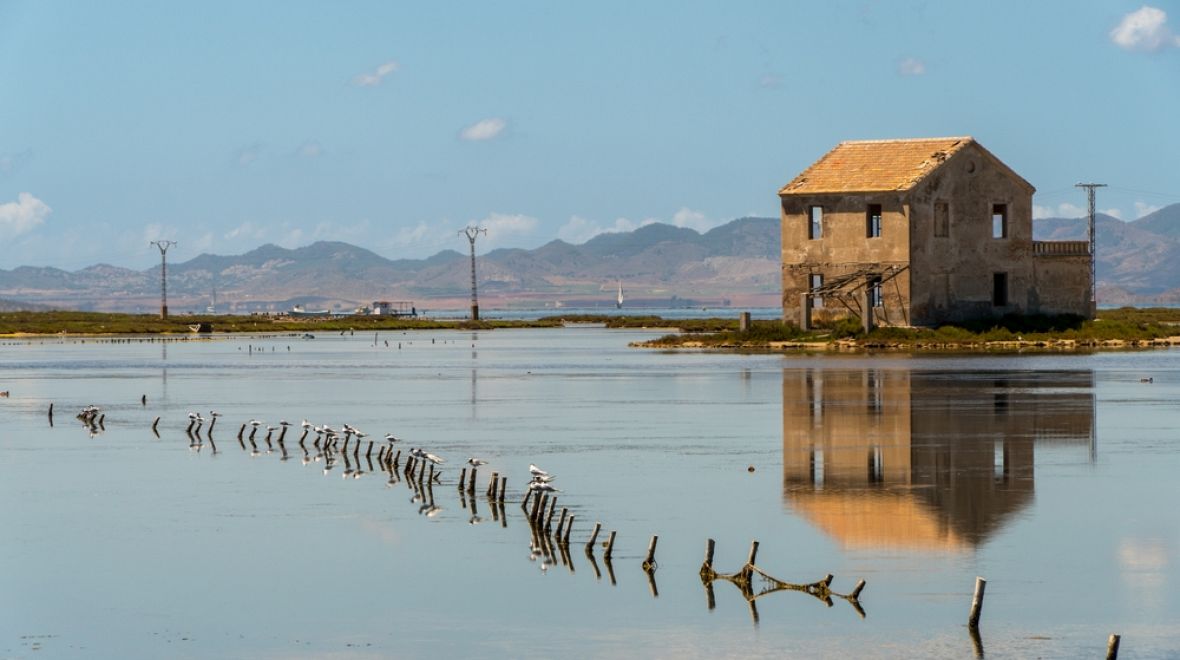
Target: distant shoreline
x=1124 y=328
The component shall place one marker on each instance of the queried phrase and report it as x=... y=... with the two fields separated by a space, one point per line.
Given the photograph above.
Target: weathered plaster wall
x=1063 y=285
x=953 y=275
x=843 y=248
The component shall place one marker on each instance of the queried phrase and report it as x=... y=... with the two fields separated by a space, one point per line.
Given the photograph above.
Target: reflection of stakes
x=743 y=580
x=593 y=562
x=565 y=556
x=610 y=569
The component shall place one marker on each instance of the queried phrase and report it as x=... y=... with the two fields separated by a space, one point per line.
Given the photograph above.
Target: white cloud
x=10 y=163
x=246 y=230
x=310 y=149
x=579 y=230
x=1144 y=29
x=1063 y=210
x=771 y=81
x=1112 y=212
x=484 y=129
x=1142 y=209
x=374 y=77
x=691 y=219
x=248 y=154
x=502 y=225
x=911 y=66
x=22 y=216
x=418 y=234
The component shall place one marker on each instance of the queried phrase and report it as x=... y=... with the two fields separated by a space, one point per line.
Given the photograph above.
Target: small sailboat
x=619 y=300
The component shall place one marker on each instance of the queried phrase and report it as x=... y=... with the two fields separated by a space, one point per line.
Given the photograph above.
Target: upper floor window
x=815 y=224
x=942 y=219
x=873 y=221
x=999 y=221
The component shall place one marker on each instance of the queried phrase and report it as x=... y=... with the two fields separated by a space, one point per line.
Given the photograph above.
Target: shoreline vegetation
x=1114 y=328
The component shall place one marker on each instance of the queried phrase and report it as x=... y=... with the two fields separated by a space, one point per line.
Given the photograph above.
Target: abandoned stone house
x=920 y=232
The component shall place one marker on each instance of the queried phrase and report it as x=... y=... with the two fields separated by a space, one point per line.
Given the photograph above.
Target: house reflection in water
x=923 y=460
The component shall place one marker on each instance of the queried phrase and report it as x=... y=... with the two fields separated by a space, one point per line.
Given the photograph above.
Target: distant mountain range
x=734 y=264
x=658 y=264
x=1138 y=261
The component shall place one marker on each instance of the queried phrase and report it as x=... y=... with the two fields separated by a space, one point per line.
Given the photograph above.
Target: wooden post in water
x=593 y=537
x=753 y=553
x=855 y=595
x=560 y=521
x=157 y=423
x=462 y=479
x=707 y=567
x=369 y=451
x=51 y=414
x=493 y=484
x=977 y=603
x=503 y=488
x=471 y=484
x=549 y=516
x=569 y=526
x=524 y=503
x=649 y=562
x=1112 y=647
x=536 y=503
x=610 y=546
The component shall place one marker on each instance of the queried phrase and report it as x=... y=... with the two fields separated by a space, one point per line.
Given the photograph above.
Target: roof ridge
x=925 y=139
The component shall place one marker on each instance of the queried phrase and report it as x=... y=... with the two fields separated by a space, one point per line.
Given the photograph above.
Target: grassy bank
x=1113 y=328
x=1116 y=327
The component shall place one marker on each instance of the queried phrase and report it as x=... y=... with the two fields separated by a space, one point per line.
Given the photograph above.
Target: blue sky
x=225 y=125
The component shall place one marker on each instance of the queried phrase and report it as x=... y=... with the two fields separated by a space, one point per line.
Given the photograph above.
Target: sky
x=227 y=125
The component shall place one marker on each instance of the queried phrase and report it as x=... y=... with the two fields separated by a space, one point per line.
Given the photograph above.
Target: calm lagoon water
x=1053 y=476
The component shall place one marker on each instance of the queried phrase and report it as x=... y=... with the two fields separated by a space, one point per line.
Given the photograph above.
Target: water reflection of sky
x=122 y=544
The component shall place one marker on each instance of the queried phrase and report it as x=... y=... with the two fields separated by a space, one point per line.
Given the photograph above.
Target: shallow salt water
x=1053 y=476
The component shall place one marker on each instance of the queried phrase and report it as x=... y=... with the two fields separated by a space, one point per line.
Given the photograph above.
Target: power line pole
x=1090 y=187
x=163 y=245
x=471 y=233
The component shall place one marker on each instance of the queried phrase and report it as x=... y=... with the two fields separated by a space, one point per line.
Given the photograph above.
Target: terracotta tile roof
x=875 y=165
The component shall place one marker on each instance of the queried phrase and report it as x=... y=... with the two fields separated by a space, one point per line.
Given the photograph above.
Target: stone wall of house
x=1062 y=285
x=955 y=270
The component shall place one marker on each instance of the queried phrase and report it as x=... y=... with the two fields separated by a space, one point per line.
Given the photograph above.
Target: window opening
x=999 y=221
x=815 y=227
x=873 y=221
